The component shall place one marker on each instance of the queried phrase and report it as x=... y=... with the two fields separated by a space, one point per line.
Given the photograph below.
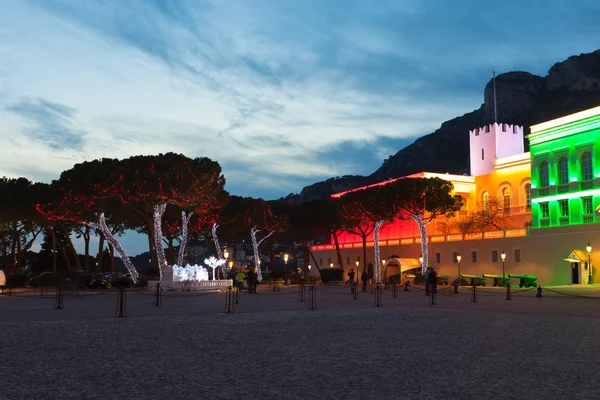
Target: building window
x=506 y=198
x=438 y=258
x=544 y=179
x=563 y=206
x=473 y=257
x=563 y=171
x=517 y=255
x=454 y=259
x=483 y=154
x=494 y=256
x=528 y=196
x=586 y=166
x=587 y=206
x=545 y=210
x=485 y=200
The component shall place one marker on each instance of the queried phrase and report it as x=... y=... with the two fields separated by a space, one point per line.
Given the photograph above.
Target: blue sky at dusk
x=281 y=93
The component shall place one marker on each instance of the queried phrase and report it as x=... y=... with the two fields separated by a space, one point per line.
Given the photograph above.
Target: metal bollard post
x=378 y=302
x=406 y=286
x=58 y=304
x=121 y=303
x=157 y=296
x=394 y=291
x=474 y=298
x=301 y=292
x=312 y=298
x=539 y=292
x=238 y=295
x=228 y=301
x=508 y=292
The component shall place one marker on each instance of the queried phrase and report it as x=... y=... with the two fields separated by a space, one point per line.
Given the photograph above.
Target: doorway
x=574 y=272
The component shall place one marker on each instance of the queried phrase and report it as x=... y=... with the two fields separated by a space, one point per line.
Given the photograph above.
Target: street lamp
x=589 y=252
x=286 y=258
x=503 y=256
x=458 y=258
x=226 y=253
x=330 y=265
x=230 y=265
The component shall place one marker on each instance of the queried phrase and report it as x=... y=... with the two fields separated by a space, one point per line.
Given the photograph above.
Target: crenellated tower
x=492 y=142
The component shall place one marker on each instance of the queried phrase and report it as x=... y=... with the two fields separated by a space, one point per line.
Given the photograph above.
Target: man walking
x=351 y=278
x=364 y=277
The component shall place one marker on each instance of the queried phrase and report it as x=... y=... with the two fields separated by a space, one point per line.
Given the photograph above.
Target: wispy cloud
x=280 y=93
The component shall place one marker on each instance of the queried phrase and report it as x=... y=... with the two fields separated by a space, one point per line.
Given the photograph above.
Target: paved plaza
x=273 y=347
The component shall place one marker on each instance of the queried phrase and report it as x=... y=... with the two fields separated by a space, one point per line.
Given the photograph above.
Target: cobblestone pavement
x=359 y=353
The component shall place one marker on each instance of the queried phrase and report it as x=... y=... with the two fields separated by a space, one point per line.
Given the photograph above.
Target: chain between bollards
x=59 y=304
x=378 y=302
x=301 y=293
x=474 y=298
x=238 y=295
x=157 y=296
x=229 y=301
x=121 y=303
x=394 y=291
x=508 y=297
x=312 y=298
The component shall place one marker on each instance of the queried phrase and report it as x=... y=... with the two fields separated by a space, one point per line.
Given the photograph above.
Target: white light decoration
x=218 y=246
x=377 y=253
x=214 y=263
x=185 y=219
x=424 y=248
x=189 y=273
x=159 y=210
x=102 y=227
x=255 y=245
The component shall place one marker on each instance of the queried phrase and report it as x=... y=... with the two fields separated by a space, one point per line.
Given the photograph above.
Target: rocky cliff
x=522 y=98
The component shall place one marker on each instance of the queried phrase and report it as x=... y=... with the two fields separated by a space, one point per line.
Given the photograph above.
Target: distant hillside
x=522 y=98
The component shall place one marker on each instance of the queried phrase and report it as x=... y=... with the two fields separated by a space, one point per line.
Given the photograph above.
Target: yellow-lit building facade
x=501 y=171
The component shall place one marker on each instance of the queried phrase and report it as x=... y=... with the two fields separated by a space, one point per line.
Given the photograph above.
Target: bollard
x=121 y=303
x=301 y=293
x=539 y=292
x=312 y=298
x=378 y=302
x=59 y=304
x=228 y=301
x=238 y=295
x=508 y=292
x=157 y=296
x=406 y=286
x=455 y=288
x=474 y=298
x=394 y=291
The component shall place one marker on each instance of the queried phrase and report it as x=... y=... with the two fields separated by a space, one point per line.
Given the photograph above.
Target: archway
x=395 y=267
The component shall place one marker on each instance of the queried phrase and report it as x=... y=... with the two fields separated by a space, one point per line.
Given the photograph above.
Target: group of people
x=430 y=281
x=251 y=276
x=364 y=277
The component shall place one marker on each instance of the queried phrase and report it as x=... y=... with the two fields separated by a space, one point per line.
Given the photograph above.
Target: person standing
x=240 y=279
x=364 y=277
x=427 y=280
x=352 y=283
x=433 y=281
x=252 y=279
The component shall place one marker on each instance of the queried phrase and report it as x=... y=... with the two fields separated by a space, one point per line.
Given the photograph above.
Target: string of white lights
x=185 y=219
x=378 y=225
x=218 y=247
x=424 y=244
x=255 y=245
x=159 y=210
x=102 y=227
x=214 y=263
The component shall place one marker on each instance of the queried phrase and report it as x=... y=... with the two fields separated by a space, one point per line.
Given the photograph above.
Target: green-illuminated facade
x=565 y=170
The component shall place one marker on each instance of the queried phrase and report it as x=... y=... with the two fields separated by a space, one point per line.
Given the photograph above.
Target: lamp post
x=330 y=265
x=589 y=253
x=226 y=254
x=458 y=258
x=503 y=256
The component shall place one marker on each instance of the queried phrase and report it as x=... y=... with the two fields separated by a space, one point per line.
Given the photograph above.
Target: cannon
x=498 y=279
x=525 y=280
x=477 y=280
x=442 y=279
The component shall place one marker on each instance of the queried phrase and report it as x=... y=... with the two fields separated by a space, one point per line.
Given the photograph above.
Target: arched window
x=544 y=180
x=563 y=171
x=528 y=196
x=506 y=200
x=586 y=166
x=485 y=200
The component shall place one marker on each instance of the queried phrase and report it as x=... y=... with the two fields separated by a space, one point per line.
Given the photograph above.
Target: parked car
x=46 y=279
x=2 y=281
x=109 y=280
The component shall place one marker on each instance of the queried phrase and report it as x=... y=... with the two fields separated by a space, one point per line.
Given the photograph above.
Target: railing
x=562 y=188
x=545 y=222
x=563 y=221
x=584 y=185
x=588 y=218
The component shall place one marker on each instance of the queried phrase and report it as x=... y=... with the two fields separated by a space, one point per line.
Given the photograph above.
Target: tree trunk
x=153 y=262
x=4 y=250
x=272 y=259
x=67 y=234
x=111 y=249
x=100 y=257
x=365 y=264
x=315 y=260
x=424 y=247
x=337 y=248
x=306 y=259
x=170 y=252
x=54 y=265
x=377 y=254
x=86 y=239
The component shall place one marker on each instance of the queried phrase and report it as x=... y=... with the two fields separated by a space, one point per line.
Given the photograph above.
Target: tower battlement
x=491 y=142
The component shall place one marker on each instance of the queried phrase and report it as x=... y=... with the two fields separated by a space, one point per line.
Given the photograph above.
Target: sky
x=281 y=93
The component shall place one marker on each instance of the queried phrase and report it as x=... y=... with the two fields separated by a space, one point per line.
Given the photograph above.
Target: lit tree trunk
x=424 y=244
x=377 y=254
x=255 y=245
x=218 y=247
x=185 y=219
x=101 y=225
x=159 y=210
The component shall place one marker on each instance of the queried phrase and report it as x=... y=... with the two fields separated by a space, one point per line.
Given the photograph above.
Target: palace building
x=549 y=199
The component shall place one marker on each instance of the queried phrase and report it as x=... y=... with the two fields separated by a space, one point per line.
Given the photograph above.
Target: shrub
x=332 y=275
